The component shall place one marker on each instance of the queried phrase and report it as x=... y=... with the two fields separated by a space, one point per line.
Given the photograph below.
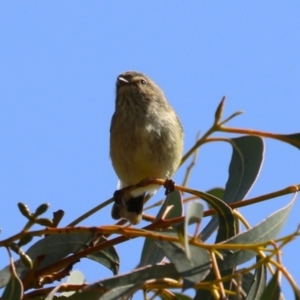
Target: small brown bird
x=146 y=140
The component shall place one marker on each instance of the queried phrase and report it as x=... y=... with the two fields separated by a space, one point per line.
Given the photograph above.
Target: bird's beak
x=122 y=80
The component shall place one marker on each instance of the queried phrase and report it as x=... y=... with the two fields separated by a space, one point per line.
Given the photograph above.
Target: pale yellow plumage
x=146 y=137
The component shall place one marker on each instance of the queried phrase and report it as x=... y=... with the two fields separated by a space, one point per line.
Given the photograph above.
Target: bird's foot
x=169 y=186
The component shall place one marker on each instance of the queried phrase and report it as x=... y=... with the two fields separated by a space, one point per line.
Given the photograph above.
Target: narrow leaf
x=76 y=277
x=292 y=139
x=151 y=254
x=192 y=270
x=273 y=291
x=194 y=214
x=267 y=230
x=55 y=247
x=123 y=285
x=180 y=296
x=246 y=162
x=107 y=257
x=14 y=288
x=217 y=192
x=258 y=284
x=224 y=215
x=219 y=110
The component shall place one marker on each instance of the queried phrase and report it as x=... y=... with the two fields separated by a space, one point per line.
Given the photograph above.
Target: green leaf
x=120 y=293
x=252 y=285
x=180 y=296
x=14 y=288
x=194 y=214
x=219 y=111
x=258 y=284
x=108 y=257
x=246 y=162
x=292 y=139
x=224 y=214
x=192 y=270
x=244 y=282
x=126 y=284
x=247 y=158
x=267 y=230
x=151 y=254
x=217 y=192
x=273 y=291
x=55 y=247
x=76 y=277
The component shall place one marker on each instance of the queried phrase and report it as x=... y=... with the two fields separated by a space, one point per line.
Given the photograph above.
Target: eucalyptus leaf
x=224 y=215
x=55 y=247
x=194 y=214
x=292 y=139
x=258 y=284
x=265 y=231
x=193 y=269
x=124 y=285
x=151 y=254
x=217 y=192
x=14 y=289
x=182 y=296
x=273 y=290
x=76 y=277
x=246 y=161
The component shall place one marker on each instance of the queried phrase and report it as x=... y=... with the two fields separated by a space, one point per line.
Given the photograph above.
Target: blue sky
x=58 y=64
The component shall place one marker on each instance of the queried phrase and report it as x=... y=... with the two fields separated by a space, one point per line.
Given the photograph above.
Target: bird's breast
x=140 y=151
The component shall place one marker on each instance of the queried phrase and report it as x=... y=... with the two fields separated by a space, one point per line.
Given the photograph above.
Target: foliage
x=210 y=269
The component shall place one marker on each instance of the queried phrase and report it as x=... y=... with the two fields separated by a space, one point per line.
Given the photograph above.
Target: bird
x=146 y=141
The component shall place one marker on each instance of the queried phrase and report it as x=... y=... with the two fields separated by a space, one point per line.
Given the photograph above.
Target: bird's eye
x=143 y=82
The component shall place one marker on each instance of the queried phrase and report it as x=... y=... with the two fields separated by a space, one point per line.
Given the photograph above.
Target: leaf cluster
x=173 y=262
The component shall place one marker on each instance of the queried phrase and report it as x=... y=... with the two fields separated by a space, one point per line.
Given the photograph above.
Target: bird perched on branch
x=146 y=141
